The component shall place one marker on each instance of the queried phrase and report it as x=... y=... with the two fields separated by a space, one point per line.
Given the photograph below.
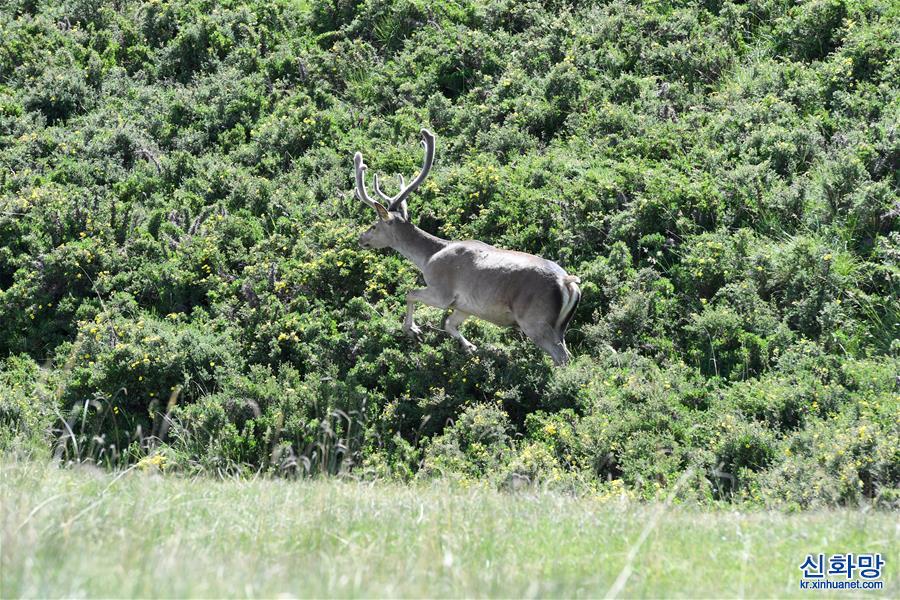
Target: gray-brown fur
x=472 y=278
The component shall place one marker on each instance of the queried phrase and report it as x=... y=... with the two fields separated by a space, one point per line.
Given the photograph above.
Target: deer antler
x=384 y=196
x=395 y=203
x=428 y=143
x=360 y=170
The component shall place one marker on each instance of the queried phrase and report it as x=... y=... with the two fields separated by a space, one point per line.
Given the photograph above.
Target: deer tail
x=571 y=294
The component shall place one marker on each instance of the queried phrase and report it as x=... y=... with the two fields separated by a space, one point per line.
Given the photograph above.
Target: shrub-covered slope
x=179 y=273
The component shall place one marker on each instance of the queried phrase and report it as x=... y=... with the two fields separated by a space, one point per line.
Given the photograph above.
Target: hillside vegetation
x=180 y=282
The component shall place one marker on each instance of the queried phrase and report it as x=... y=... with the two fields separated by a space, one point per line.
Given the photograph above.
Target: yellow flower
x=157 y=461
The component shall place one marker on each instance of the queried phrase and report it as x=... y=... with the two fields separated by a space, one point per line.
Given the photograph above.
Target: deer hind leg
x=451 y=325
x=548 y=339
x=426 y=296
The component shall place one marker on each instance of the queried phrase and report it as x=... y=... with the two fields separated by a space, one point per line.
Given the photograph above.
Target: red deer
x=471 y=278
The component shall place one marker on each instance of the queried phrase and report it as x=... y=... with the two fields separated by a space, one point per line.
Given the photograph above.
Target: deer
x=471 y=278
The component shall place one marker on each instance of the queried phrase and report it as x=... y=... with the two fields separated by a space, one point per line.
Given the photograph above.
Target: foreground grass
x=83 y=532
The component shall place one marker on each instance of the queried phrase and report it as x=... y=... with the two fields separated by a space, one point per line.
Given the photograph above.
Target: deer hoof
x=469 y=347
x=413 y=331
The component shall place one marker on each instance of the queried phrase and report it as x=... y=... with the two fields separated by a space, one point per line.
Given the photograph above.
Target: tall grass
x=85 y=532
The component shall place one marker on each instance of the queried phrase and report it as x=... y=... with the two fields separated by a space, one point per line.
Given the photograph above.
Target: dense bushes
x=180 y=279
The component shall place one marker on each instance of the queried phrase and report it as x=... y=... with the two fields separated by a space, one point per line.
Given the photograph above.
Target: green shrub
x=27 y=408
x=59 y=94
x=845 y=459
x=279 y=421
x=178 y=241
x=478 y=444
x=811 y=31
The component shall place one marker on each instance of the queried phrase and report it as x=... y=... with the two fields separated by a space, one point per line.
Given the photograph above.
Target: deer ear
x=382 y=212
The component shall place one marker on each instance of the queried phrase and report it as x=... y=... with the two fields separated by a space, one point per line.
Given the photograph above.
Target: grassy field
x=83 y=532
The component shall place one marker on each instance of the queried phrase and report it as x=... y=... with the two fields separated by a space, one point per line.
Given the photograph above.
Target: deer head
x=393 y=215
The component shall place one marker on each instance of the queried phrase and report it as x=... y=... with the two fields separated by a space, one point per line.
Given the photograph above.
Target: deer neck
x=418 y=246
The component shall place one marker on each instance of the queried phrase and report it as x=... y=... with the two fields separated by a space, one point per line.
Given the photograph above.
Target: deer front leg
x=425 y=296
x=451 y=325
